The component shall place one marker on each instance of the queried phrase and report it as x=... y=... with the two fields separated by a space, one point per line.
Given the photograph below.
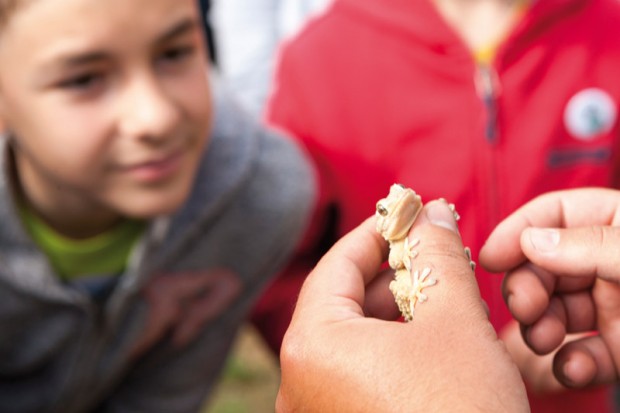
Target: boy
x=139 y=223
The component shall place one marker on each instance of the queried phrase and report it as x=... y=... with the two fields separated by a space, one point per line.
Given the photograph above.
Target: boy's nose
x=148 y=111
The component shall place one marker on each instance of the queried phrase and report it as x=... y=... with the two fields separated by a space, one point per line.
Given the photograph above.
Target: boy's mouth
x=157 y=169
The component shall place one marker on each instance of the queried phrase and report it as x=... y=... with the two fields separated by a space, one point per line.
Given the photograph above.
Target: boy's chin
x=148 y=206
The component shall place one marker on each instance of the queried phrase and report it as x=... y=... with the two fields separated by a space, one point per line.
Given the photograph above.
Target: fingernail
x=544 y=240
x=440 y=214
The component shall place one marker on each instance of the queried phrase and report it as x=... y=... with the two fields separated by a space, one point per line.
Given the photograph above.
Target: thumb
x=583 y=251
x=441 y=251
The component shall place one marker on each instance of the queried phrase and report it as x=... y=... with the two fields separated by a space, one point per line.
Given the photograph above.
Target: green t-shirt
x=106 y=253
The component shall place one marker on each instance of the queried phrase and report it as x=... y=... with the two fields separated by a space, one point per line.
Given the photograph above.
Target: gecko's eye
x=382 y=210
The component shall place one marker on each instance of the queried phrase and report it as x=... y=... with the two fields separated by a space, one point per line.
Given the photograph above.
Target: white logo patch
x=590 y=113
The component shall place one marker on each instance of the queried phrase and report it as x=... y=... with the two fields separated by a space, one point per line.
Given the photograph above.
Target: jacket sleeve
x=274 y=310
x=168 y=380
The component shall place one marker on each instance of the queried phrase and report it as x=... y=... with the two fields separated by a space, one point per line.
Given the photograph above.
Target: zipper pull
x=488 y=89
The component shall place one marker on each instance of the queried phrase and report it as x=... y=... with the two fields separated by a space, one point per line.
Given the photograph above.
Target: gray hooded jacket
x=62 y=351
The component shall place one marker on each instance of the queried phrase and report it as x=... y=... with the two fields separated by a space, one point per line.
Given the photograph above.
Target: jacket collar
x=419 y=19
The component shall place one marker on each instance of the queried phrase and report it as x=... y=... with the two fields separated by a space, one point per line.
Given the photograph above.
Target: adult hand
x=536 y=370
x=340 y=354
x=563 y=274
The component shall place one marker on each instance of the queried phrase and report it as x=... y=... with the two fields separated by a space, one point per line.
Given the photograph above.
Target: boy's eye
x=175 y=54
x=81 y=82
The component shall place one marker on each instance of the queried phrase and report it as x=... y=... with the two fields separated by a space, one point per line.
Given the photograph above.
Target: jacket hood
x=420 y=19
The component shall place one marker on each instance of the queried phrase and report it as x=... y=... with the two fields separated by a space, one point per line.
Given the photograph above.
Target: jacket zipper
x=488 y=87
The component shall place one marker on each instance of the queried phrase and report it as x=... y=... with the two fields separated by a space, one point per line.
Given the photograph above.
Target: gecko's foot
x=410 y=253
x=472 y=263
x=408 y=290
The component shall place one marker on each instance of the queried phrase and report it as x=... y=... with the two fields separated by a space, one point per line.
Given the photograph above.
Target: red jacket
x=384 y=91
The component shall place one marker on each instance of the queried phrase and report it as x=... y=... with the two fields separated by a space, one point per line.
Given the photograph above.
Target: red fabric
x=384 y=91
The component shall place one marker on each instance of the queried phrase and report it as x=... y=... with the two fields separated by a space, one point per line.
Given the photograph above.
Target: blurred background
x=250 y=381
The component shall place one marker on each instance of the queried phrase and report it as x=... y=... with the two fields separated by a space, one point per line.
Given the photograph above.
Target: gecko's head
x=397 y=212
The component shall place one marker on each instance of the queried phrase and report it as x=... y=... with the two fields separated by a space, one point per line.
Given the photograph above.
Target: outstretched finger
x=562 y=209
x=582 y=252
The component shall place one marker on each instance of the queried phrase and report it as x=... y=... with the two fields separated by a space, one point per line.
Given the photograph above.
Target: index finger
x=346 y=268
x=560 y=209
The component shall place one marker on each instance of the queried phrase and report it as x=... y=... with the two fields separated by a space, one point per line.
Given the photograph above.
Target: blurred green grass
x=250 y=380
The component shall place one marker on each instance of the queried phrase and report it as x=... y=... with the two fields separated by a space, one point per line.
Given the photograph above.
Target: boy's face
x=108 y=102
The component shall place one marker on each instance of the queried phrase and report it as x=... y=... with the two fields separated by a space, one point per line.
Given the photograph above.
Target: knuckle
x=291 y=350
x=603 y=251
x=281 y=405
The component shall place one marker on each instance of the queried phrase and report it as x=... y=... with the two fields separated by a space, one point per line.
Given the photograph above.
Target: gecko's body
x=395 y=215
